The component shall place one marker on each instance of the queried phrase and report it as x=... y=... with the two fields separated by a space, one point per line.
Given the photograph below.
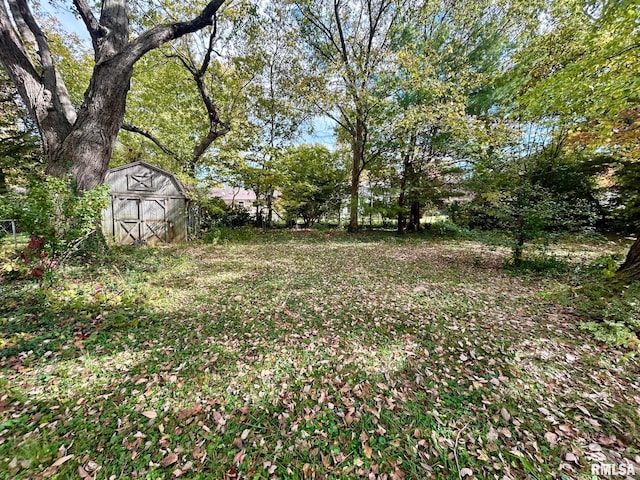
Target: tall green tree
x=313 y=182
x=436 y=99
x=19 y=147
x=349 y=44
x=273 y=115
x=582 y=71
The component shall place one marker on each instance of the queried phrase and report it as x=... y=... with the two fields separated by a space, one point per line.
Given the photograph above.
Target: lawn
x=345 y=357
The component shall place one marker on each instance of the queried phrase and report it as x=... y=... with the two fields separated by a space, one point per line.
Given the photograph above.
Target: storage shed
x=148 y=205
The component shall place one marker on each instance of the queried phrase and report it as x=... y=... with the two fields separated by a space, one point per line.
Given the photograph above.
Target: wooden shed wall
x=147 y=206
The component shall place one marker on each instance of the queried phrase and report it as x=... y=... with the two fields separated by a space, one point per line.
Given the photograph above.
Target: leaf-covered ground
x=332 y=359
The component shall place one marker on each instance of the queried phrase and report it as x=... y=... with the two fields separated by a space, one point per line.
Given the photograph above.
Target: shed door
x=127 y=220
x=155 y=226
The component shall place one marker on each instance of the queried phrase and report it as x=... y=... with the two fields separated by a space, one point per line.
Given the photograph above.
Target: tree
x=188 y=94
x=80 y=140
x=18 y=140
x=350 y=42
x=582 y=70
x=271 y=114
x=313 y=182
x=530 y=196
x=446 y=57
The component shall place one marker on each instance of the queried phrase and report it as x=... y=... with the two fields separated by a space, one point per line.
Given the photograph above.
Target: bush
x=540 y=264
x=447 y=230
x=214 y=213
x=57 y=220
x=529 y=198
x=235 y=216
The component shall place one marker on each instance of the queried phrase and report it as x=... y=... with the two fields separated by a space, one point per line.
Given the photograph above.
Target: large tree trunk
x=269 y=221
x=402 y=214
x=86 y=151
x=630 y=269
x=354 y=191
x=414 y=216
x=407 y=171
x=3 y=182
x=357 y=162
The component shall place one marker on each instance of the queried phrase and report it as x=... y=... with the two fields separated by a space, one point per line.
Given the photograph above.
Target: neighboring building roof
x=233 y=194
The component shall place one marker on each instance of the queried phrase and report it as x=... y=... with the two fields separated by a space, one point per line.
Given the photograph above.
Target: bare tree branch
x=23 y=29
x=12 y=46
x=624 y=50
x=207 y=57
x=217 y=128
x=96 y=31
x=148 y=135
x=161 y=34
x=52 y=80
x=30 y=84
x=343 y=43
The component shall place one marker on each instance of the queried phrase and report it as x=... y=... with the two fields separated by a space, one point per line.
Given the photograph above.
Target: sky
x=62 y=12
x=322 y=133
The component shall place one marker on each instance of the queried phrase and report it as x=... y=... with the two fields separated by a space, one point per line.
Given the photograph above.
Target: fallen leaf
x=551 y=437
x=505 y=414
x=368 y=451
x=604 y=440
x=239 y=457
x=62 y=460
x=150 y=414
x=84 y=475
x=54 y=466
x=466 y=472
x=169 y=460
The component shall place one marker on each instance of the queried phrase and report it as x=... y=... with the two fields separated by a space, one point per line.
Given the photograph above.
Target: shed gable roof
x=148 y=166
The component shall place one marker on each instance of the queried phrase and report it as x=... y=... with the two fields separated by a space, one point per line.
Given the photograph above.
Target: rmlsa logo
x=612 y=469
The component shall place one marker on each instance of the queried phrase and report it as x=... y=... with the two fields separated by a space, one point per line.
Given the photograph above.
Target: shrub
x=236 y=216
x=57 y=220
x=447 y=230
x=540 y=264
x=529 y=198
x=214 y=213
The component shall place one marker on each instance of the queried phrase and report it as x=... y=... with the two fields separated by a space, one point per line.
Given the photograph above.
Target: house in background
x=235 y=196
x=240 y=197
x=148 y=205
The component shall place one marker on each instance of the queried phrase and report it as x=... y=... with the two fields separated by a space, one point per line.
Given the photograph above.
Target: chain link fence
x=8 y=231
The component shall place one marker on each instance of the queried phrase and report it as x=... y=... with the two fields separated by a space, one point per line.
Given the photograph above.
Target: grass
x=309 y=355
